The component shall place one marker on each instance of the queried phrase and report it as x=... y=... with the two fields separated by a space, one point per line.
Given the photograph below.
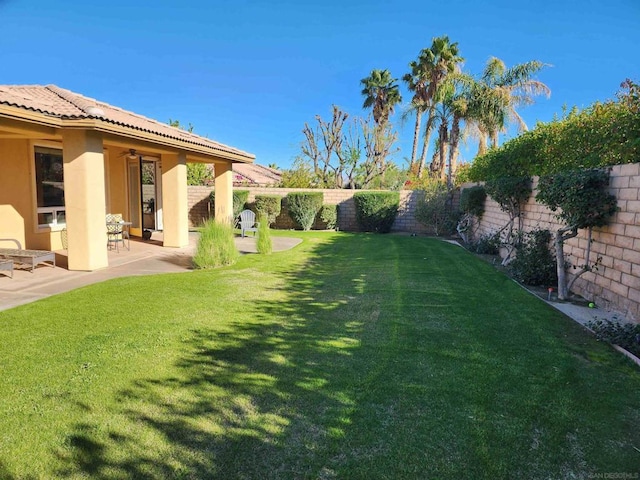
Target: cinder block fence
x=199 y=208
x=616 y=283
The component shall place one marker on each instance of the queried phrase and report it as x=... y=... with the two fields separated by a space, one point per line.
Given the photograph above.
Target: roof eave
x=105 y=126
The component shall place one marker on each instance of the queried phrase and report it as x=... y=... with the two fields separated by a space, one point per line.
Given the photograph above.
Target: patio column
x=175 y=208
x=84 y=193
x=224 y=192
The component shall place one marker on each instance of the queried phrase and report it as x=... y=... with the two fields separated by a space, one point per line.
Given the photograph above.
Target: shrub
x=216 y=246
x=486 y=245
x=240 y=198
x=436 y=211
x=264 y=243
x=509 y=192
x=329 y=215
x=376 y=211
x=534 y=263
x=472 y=200
x=268 y=205
x=623 y=334
x=303 y=207
x=603 y=134
x=198 y=174
x=582 y=196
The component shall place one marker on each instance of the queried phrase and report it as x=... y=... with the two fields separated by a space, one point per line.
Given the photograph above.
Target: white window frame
x=54 y=211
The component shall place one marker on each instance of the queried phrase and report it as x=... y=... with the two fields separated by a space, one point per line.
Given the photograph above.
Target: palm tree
x=427 y=74
x=500 y=92
x=382 y=93
x=416 y=83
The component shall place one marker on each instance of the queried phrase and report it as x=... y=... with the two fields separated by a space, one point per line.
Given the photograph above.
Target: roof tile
x=65 y=104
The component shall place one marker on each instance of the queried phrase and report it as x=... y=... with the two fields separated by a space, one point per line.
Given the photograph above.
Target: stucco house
x=67 y=160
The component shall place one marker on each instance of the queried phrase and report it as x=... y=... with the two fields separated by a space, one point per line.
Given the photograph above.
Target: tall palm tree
x=500 y=92
x=381 y=94
x=416 y=82
x=427 y=74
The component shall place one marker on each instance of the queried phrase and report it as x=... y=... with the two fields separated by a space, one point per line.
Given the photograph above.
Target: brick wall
x=616 y=284
x=199 y=209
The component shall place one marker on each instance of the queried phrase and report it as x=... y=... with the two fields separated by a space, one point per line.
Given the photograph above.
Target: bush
x=435 y=210
x=376 y=211
x=603 y=134
x=582 y=196
x=240 y=198
x=472 y=200
x=216 y=246
x=304 y=207
x=264 y=243
x=534 y=263
x=625 y=335
x=509 y=192
x=268 y=205
x=329 y=215
x=486 y=245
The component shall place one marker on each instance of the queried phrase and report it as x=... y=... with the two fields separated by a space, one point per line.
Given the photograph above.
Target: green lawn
x=350 y=356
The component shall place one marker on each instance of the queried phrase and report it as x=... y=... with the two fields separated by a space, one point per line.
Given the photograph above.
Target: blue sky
x=250 y=73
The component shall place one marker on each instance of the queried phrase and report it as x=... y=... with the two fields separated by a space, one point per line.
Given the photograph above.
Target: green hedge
x=472 y=200
x=329 y=215
x=376 y=211
x=602 y=135
x=304 y=207
x=435 y=209
x=268 y=205
x=240 y=198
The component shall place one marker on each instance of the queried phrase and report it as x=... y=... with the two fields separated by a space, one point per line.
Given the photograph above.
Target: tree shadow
x=271 y=395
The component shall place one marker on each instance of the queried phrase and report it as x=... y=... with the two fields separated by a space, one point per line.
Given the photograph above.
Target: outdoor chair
x=116 y=233
x=29 y=257
x=248 y=222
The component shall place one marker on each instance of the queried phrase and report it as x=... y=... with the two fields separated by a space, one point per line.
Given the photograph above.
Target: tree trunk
x=443 y=154
x=416 y=140
x=425 y=146
x=586 y=267
x=494 y=139
x=443 y=139
x=559 y=238
x=482 y=145
x=454 y=140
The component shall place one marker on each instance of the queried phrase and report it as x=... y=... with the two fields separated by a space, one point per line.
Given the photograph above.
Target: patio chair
x=248 y=222
x=116 y=233
x=29 y=257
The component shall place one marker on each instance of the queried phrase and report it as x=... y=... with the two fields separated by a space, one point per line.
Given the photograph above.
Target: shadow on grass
x=389 y=357
x=271 y=395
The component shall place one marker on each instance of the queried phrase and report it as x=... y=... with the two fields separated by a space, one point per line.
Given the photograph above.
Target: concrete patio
x=144 y=258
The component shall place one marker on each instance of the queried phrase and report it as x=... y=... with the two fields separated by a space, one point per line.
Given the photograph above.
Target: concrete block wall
x=199 y=209
x=616 y=284
x=199 y=206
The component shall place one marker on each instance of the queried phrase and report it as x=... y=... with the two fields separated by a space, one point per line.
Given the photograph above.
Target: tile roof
x=255 y=174
x=57 y=102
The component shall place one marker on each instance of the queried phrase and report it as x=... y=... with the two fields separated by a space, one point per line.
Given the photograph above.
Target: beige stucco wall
x=174 y=188
x=17 y=200
x=84 y=192
x=117 y=197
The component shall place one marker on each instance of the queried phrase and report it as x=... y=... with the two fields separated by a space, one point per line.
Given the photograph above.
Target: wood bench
x=28 y=257
x=7 y=265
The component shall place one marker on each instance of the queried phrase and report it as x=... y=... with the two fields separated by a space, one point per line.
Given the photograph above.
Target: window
x=49 y=187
